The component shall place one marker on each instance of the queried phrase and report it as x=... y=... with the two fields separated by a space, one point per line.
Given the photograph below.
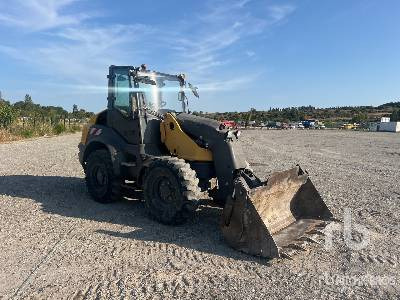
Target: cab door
x=122 y=104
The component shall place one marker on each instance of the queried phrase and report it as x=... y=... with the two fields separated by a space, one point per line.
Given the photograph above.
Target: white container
x=389 y=126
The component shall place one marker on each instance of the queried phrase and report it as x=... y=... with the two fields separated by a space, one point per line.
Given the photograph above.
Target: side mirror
x=194 y=90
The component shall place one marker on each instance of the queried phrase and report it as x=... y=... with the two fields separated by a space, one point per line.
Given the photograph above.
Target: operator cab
x=133 y=89
x=138 y=98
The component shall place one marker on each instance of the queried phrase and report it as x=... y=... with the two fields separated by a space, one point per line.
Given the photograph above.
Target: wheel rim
x=99 y=178
x=165 y=193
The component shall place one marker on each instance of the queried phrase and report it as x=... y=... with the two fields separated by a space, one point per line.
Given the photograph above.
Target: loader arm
x=179 y=143
x=183 y=133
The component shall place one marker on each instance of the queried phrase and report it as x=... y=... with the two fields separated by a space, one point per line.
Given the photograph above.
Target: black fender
x=228 y=155
x=103 y=137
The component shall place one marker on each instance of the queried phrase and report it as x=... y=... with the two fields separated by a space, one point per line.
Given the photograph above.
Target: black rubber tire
x=171 y=178
x=109 y=189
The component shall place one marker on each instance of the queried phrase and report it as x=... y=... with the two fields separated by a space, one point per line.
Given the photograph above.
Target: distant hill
x=331 y=115
x=390 y=105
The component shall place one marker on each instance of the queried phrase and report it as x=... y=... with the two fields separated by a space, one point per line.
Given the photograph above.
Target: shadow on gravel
x=67 y=196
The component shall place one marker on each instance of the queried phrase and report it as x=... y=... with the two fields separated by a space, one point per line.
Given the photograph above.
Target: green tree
x=360 y=117
x=395 y=116
x=7 y=114
x=28 y=99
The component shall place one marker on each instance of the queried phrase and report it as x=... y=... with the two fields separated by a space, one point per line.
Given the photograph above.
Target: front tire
x=171 y=190
x=101 y=181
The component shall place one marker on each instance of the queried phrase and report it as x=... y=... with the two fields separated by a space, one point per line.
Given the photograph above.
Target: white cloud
x=79 y=53
x=213 y=32
x=84 y=53
x=228 y=84
x=73 y=50
x=250 y=53
x=219 y=28
x=34 y=15
x=12 y=52
x=280 y=12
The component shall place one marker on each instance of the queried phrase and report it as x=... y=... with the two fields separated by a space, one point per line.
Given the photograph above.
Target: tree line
x=27 y=119
x=354 y=114
x=28 y=110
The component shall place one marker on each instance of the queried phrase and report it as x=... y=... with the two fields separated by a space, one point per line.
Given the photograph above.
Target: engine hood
x=200 y=127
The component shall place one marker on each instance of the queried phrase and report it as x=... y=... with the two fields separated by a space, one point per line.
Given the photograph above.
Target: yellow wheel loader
x=146 y=137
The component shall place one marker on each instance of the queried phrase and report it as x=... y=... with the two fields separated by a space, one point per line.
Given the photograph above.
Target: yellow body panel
x=85 y=129
x=349 y=126
x=179 y=143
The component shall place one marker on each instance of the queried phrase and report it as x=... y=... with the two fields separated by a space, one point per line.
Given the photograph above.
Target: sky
x=241 y=54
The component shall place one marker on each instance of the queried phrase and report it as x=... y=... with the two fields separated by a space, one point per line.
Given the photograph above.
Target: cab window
x=122 y=95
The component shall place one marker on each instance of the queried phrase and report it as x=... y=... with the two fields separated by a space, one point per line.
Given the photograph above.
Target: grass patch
x=27 y=133
x=59 y=128
x=6 y=136
x=16 y=132
x=74 y=128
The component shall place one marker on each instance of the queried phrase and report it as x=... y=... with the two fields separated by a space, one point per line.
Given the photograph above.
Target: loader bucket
x=266 y=219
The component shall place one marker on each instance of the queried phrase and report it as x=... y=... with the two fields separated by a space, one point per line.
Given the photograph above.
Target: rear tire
x=101 y=181
x=171 y=190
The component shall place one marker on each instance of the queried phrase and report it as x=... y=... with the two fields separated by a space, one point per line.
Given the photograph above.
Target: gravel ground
x=57 y=243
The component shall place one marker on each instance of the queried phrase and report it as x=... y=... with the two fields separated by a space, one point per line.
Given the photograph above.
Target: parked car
x=309 y=123
x=228 y=124
x=284 y=126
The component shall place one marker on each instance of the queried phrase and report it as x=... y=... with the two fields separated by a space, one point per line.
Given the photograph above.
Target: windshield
x=163 y=96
